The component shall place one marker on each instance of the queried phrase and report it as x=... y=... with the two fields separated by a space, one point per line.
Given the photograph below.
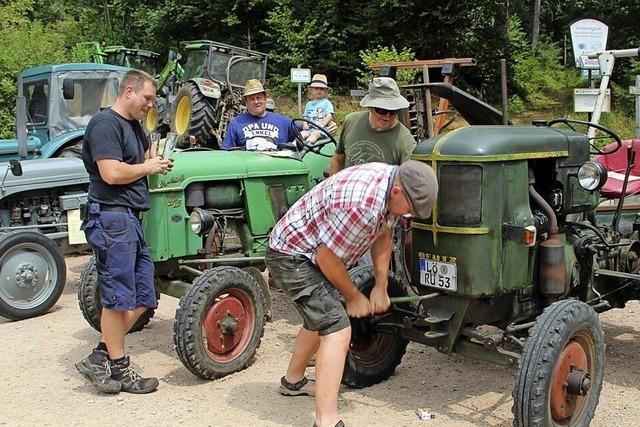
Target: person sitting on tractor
x=310 y=249
x=257 y=128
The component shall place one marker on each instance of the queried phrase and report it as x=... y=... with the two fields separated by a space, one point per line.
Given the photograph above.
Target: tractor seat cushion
x=616 y=165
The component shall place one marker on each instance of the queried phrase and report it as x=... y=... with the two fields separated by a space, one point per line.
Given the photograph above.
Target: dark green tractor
x=211 y=93
x=514 y=264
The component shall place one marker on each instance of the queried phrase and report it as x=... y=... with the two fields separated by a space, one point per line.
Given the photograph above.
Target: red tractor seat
x=616 y=165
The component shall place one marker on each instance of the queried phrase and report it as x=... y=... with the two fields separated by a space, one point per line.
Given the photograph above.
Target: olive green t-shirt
x=361 y=144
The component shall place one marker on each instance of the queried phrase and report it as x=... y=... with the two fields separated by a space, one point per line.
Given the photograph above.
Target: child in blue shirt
x=319 y=109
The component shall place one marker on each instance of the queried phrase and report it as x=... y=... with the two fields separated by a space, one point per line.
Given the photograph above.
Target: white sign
x=584 y=100
x=300 y=75
x=588 y=36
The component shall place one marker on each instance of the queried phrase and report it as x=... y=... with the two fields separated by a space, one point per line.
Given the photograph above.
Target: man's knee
x=339 y=339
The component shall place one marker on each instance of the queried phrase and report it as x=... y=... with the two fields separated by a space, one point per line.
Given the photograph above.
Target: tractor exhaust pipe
x=551 y=266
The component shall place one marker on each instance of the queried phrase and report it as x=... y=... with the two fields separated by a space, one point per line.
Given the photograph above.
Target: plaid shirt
x=345 y=212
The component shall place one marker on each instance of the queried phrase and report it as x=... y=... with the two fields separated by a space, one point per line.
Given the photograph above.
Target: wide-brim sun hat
x=253 y=86
x=384 y=93
x=319 y=80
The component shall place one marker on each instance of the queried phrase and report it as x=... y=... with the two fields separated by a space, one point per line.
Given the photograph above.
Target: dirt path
x=41 y=386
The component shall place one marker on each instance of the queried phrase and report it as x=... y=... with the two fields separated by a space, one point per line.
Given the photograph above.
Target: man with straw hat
x=257 y=128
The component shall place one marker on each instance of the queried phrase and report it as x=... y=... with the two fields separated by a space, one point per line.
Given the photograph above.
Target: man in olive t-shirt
x=375 y=135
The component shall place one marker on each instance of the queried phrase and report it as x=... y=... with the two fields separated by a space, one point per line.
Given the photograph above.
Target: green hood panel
x=195 y=166
x=495 y=143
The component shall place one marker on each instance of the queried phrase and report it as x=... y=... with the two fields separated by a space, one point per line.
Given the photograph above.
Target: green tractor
x=210 y=96
x=207 y=232
x=515 y=262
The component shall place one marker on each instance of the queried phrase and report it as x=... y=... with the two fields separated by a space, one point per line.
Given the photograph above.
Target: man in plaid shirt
x=313 y=245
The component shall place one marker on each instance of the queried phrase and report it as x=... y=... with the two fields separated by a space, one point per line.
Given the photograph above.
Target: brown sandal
x=296 y=389
x=338 y=424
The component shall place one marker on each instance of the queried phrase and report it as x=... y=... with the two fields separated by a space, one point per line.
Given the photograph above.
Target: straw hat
x=319 y=80
x=252 y=87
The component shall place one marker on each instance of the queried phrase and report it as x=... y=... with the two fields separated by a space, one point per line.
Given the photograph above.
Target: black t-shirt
x=111 y=136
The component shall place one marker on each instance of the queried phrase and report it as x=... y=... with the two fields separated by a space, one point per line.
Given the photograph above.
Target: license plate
x=436 y=274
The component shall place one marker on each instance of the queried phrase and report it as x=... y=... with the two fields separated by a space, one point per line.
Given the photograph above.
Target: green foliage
x=537 y=77
x=386 y=54
x=26 y=43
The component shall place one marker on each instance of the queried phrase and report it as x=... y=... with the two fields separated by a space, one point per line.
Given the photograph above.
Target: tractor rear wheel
x=89 y=299
x=220 y=322
x=372 y=356
x=161 y=110
x=194 y=115
x=561 y=368
x=32 y=274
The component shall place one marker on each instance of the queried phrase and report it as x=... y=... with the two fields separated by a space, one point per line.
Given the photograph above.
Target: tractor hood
x=498 y=143
x=195 y=166
x=44 y=173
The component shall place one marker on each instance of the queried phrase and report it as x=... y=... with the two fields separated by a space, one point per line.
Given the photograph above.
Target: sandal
x=338 y=424
x=296 y=389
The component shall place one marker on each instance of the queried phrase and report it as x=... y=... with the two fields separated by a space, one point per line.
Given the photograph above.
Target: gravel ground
x=41 y=386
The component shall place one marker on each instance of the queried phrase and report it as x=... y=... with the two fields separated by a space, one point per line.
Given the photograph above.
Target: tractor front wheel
x=372 y=356
x=561 y=369
x=89 y=300
x=194 y=115
x=220 y=322
x=32 y=274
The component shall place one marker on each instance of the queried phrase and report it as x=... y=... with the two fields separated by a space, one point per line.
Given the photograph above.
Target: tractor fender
x=207 y=87
x=59 y=142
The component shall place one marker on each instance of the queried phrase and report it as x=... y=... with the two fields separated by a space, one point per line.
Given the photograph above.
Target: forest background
x=340 y=38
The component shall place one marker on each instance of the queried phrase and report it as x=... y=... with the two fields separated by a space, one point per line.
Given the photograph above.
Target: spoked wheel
x=561 y=369
x=314 y=148
x=32 y=274
x=89 y=300
x=372 y=356
x=220 y=322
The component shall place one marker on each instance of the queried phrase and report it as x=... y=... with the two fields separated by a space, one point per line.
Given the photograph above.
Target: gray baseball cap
x=420 y=185
x=384 y=93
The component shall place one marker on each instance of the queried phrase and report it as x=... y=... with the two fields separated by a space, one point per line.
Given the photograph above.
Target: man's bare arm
x=337 y=164
x=116 y=172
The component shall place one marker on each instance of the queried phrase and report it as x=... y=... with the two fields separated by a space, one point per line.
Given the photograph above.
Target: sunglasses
x=383 y=112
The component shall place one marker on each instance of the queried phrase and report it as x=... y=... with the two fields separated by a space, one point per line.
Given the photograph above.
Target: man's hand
x=156 y=165
x=379 y=300
x=358 y=305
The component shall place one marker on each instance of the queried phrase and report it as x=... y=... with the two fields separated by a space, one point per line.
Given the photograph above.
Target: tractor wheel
x=89 y=300
x=194 y=114
x=219 y=323
x=372 y=356
x=161 y=109
x=401 y=256
x=32 y=274
x=561 y=368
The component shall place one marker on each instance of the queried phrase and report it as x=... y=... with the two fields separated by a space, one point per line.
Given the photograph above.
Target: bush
x=386 y=54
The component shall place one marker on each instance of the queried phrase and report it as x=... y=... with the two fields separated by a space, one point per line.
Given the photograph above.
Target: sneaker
x=130 y=380
x=97 y=368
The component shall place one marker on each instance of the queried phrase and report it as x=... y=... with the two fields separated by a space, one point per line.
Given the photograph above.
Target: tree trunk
x=535 y=33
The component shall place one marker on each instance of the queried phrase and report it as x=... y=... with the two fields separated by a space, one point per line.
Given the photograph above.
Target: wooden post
x=443 y=105
x=427 y=102
x=635 y=90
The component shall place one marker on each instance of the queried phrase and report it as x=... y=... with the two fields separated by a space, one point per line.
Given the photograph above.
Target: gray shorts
x=317 y=300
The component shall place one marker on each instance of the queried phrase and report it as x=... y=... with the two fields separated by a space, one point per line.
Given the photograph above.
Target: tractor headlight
x=200 y=221
x=592 y=176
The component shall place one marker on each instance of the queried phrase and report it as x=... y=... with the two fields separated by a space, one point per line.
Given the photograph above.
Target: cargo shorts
x=123 y=263
x=318 y=301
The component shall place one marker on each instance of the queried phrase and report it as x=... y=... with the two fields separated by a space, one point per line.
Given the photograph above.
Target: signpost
x=300 y=75
x=635 y=90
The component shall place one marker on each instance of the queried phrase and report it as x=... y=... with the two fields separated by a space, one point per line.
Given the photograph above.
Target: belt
x=115 y=208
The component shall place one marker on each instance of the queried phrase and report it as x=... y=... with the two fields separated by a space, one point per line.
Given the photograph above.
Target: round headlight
x=592 y=176
x=200 y=221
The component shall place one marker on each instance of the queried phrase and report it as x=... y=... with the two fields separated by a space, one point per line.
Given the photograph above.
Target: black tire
x=32 y=274
x=89 y=300
x=372 y=356
x=567 y=333
x=205 y=305
x=162 y=127
x=194 y=115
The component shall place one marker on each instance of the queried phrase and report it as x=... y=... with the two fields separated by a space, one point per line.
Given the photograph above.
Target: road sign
x=588 y=36
x=301 y=75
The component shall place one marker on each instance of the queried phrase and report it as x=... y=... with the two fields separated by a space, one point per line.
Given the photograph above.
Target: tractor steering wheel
x=314 y=148
x=595 y=150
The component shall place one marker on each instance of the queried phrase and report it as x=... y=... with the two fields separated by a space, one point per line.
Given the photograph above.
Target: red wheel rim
x=228 y=325
x=563 y=404
x=368 y=347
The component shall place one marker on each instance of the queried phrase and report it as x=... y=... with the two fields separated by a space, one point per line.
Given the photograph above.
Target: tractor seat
x=616 y=165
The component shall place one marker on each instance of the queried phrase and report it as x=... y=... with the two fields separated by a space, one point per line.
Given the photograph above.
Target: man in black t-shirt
x=118 y=158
